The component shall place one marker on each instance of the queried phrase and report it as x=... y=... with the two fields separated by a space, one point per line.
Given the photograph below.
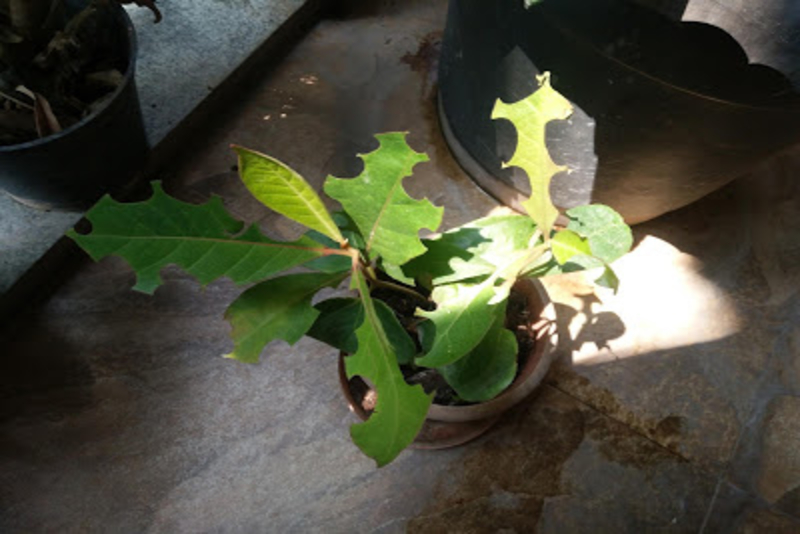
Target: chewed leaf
x=489 y=368
x=608 y=235
x=387 y=218
x=279 y=308
x=202 y=239
x=401 y=409
x=283 y=190
x=530 y=117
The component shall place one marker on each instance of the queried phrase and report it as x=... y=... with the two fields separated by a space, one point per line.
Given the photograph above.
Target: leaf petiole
x=397 y=287
x=375 y=282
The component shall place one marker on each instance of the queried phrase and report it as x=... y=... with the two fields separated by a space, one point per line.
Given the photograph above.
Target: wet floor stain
x=506 y=479
x=426 y=59
x=665 y=432
x=503 y=482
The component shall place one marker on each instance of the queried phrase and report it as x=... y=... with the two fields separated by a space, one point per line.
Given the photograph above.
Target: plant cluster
x=59 y=60
x=461 y=278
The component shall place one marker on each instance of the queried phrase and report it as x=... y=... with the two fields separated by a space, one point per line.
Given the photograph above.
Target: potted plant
x=436 y=304
x=70 y=125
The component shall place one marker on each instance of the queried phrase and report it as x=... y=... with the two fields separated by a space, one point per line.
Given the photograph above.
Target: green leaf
x=489 y=368
x=609 y=237
x=401 y=409
x=202 y=239
x=281 y=189
x=608 y=279
x=530 y=117
x=396 y=273
x=340 y=318
x=566 y=244
x=463 y=315
x=337 y=323
x=279 y=308
x=473 y=250
x=386 y=216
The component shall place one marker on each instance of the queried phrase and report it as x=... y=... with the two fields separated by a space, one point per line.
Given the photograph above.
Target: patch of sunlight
x=664 y=302
x=501 y=210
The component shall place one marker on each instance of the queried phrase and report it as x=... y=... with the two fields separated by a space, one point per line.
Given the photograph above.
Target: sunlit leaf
x=463 y=315
x=608 y=235
x=281 y=189
x=608 y=279
x=566 y=244
x=386 y=216
x=488 y=369
x=473 y=250
x=530 y=117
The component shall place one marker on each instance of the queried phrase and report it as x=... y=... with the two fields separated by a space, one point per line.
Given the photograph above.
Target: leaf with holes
x=386 y=216
x=401 y=409
x=530 y=117
x=203 y=239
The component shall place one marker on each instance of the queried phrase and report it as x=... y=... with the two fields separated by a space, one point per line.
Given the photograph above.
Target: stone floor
x=213 y=39
x=674 y=406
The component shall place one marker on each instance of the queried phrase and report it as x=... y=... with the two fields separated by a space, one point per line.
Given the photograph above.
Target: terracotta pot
x=449 y=426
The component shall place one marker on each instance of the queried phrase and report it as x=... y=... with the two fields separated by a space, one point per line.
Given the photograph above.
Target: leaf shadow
x=598 y=328
x=447 y=253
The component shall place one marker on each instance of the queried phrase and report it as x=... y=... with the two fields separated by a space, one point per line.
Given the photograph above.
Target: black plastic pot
x=665 y=111
x=72 y=169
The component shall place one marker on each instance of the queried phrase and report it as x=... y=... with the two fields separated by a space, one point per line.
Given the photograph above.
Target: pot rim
x=125 y=21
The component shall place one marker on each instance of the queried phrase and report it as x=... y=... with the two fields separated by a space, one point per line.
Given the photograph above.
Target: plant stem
x=397 y=287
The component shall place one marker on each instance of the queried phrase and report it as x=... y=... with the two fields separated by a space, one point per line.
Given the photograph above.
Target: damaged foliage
x=459 y=281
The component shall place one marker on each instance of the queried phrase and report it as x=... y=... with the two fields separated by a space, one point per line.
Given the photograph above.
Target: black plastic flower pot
x=70 y=170
x=665 y=111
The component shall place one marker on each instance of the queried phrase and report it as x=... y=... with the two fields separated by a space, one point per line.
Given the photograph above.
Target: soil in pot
x=452 y=421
